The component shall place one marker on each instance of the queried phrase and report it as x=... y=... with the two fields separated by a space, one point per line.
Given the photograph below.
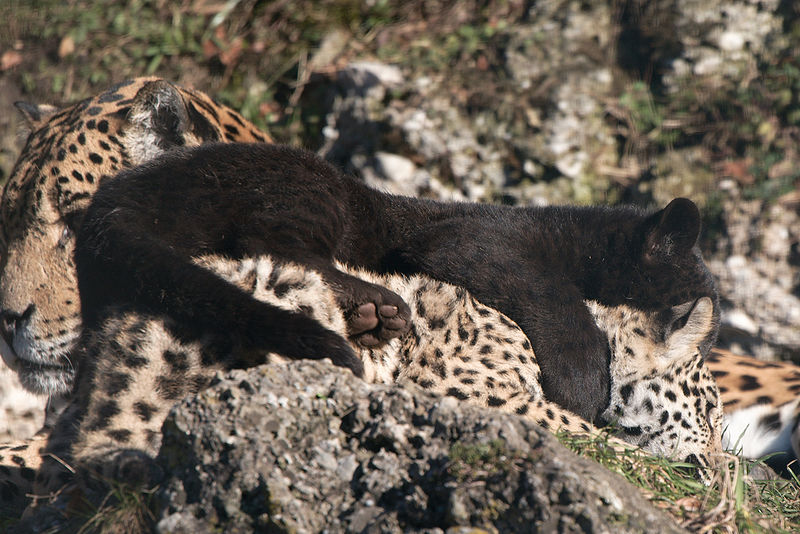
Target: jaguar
x=68 y=154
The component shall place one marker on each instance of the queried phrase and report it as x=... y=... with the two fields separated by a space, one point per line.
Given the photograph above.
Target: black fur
x=536 y=265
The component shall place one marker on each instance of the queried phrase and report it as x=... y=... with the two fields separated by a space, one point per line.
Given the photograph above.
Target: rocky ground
x=329 y=452
x=307 y=447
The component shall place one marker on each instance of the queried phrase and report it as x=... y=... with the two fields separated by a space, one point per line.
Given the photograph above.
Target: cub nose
x=11 y=320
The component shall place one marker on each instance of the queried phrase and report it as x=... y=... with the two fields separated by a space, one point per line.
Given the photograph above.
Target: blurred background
x=552 y=101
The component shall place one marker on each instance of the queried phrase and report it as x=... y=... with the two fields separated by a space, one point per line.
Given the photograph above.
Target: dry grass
x=734 y=501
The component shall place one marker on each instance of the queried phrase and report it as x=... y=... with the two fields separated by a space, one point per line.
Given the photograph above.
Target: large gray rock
x=306 y=447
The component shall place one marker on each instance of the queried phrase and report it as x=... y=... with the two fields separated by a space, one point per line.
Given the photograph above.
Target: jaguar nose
x=11 y=320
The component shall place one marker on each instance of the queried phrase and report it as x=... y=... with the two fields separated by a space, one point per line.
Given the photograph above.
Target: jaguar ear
x=158 y=120
x=672 y=231
x=159 y=110
x=690 y=325
x=35 y=114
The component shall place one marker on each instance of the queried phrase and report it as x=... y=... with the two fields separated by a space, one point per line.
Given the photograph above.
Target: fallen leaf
x=738 y=169
x=66 y=47
x=265 y=108
x=209 y=49
x=690 y=504
x=231 y=54
x=10 y=59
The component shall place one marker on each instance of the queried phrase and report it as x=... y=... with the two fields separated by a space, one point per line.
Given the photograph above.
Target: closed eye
x=65 y=237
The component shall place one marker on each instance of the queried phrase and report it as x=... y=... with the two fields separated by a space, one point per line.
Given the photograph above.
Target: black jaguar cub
x=536 y=265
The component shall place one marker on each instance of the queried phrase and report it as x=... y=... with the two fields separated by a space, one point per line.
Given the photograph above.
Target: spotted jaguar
x=67 y=155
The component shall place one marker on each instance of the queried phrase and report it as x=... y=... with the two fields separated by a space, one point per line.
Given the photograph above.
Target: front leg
x=133 y=371
x=502 y=273
x=571 y=350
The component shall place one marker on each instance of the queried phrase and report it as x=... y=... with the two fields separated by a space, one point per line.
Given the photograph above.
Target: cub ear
x=35 y=114
x=672 y=231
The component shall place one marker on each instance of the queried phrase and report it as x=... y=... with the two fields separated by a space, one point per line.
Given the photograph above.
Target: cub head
x=653 y=263
x=663 y=397
x=68 y=153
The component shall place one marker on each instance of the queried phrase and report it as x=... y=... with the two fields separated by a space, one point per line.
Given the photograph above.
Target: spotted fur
x=664 y=399
x=18 y=464
x=67 y=155
x=762 y=408
x=136 y=367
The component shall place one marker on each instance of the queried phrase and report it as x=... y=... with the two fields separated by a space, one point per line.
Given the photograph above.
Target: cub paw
x=383 y=317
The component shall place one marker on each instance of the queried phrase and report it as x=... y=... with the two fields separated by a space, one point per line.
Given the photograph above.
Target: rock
x=306 y=447
x=465 y=141
x=723 y=38
x=757 y=266
x=739 y=320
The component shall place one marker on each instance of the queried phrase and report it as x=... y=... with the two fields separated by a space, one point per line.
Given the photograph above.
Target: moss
x=477 y=453
x=484 y=461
